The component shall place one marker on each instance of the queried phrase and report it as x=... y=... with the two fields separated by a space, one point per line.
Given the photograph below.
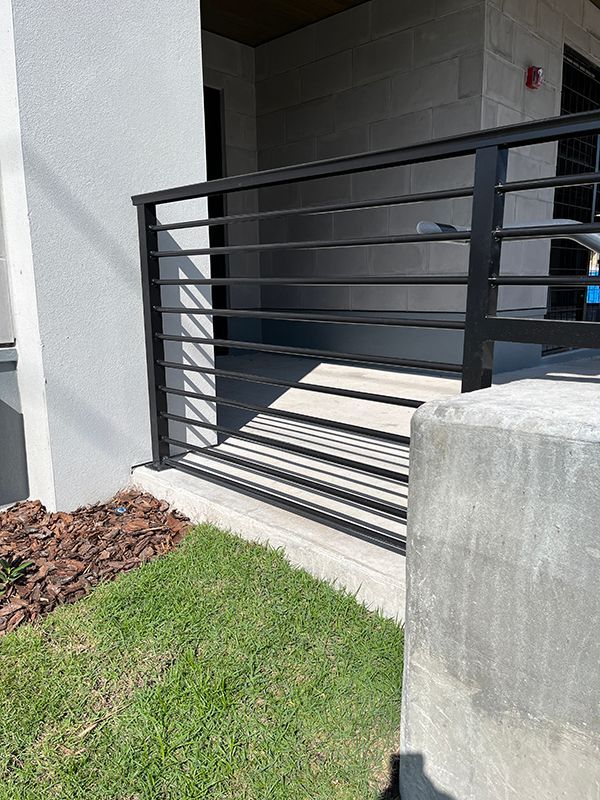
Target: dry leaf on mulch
x=72 y=553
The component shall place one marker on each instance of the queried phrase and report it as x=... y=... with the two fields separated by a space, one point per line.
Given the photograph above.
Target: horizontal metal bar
x=308 y=317
x=346 y=280
x=335 y=425
x=308 y=387
x=546 y=280
x=562 y=333
x=396 y=544
x=399 y=200
x=278 y=444
x=541 y=231
x=552 y=182
x=331 y=490
x=331 y=355
x=464 y=144
x=317 y=244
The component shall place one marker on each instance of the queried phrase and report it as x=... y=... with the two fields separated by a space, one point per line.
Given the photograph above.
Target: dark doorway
x=215 y=169
x=580 y=92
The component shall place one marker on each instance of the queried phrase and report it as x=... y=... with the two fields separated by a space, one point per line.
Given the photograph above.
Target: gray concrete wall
x=230 y=67
x=384 y=74
x=518 y=34
x=503 y=610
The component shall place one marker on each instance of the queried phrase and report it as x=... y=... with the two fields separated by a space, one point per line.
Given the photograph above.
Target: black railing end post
x=151 y=297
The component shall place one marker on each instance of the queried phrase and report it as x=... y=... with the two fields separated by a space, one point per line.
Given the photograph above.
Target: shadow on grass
x=392 y=790
x=413 y=766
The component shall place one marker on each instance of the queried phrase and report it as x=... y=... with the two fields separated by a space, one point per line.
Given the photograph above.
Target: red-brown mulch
x=72 y=553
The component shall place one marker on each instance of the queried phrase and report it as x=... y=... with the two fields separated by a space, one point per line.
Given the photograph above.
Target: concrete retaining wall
x=503 y=609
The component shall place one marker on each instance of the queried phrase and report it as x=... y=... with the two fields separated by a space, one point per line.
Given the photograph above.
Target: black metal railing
x=481 y=323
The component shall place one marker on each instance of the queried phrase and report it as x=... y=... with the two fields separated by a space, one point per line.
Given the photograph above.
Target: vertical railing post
x=484 y=263
x=151 y=293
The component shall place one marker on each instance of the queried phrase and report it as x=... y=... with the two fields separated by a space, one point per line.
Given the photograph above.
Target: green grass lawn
x=216 y=672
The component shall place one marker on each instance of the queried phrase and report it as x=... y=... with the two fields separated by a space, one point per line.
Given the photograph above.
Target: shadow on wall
x=13 y=462
x=412 y=768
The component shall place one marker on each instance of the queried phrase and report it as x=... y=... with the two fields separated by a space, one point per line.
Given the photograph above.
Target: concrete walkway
x=374 y=574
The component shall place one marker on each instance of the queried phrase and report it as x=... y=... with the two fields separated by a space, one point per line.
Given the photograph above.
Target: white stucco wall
x=6 y=327
x=109 y=105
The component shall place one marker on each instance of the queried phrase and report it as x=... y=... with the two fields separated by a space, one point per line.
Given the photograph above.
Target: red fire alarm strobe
x=534 y=78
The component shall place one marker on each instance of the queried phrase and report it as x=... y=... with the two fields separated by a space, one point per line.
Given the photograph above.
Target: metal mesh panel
x=580 y=92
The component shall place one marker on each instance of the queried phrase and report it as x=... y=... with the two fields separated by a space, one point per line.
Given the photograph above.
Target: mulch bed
x=72 y=553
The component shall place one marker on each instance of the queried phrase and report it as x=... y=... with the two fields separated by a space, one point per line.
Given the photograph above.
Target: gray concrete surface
x=503 y=609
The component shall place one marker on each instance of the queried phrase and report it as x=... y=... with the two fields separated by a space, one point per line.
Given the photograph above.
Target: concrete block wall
x=383 y=74
x=230 y=67
x=517 y=35
x=386 y=74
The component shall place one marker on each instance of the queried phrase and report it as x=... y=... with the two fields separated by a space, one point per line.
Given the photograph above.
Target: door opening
x=215 y=169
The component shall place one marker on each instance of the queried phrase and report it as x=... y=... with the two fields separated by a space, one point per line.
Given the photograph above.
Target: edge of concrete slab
x=375 y=575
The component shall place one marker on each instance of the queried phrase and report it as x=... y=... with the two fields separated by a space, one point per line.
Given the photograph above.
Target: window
x=580 y=92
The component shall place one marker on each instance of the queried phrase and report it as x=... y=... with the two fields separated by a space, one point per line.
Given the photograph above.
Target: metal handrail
x=481 y=327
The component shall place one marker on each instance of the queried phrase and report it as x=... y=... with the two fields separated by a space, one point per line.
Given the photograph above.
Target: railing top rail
x=528 y=133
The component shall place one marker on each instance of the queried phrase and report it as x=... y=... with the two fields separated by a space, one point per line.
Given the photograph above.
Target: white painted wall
x=109 y=105
x=19 y=259
x=6 y=326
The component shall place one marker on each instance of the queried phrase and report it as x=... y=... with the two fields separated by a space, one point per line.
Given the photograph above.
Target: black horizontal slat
x=554 y=181
x=359 y=430
x=317 y=244
x=464 y=144
x=546 y=280
x=543 y=331
x=395 y=543
x=330 y=355
x=278 y=444
x=303 y=385
x=328 y=489
x=406 y=199
x=542 y=231
x=346 y=280
x=292 y=316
